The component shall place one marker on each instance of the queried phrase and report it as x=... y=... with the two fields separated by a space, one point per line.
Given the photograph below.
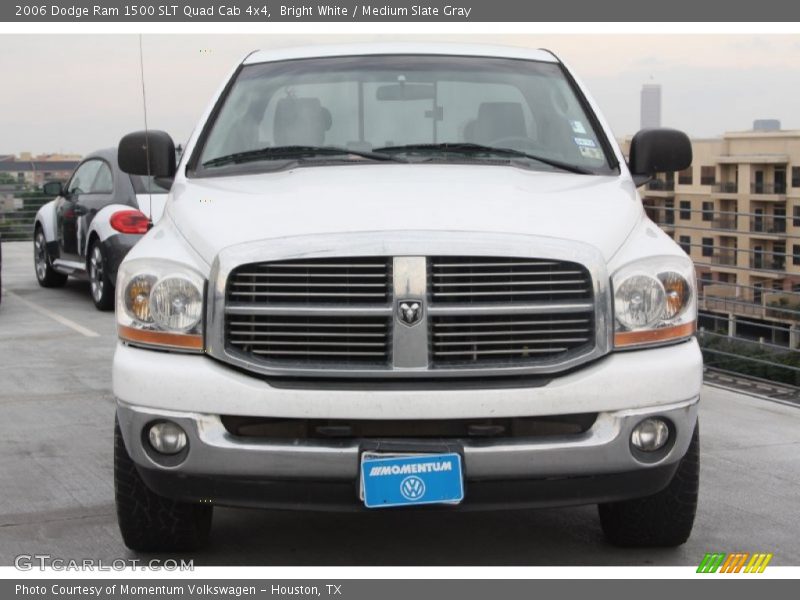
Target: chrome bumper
x=214 y=453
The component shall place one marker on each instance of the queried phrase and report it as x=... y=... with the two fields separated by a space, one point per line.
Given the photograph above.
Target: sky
x=77 y=93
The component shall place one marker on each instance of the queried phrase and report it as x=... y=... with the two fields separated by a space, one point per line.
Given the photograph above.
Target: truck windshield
x=402 y=108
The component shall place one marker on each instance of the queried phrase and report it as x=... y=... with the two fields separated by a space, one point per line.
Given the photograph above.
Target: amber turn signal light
x=652 y=336
x=161 y=338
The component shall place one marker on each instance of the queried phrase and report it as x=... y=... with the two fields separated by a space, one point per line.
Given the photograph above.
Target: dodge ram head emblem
x=409 y=312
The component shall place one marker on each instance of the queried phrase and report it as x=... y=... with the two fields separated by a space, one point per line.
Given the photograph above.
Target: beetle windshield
x=403 y=108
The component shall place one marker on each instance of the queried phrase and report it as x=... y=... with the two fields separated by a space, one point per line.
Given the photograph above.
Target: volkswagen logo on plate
x=412 y=488
x=409 y=312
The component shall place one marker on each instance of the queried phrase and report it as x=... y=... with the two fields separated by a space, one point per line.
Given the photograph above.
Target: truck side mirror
x=136 y=148
x=658 y=151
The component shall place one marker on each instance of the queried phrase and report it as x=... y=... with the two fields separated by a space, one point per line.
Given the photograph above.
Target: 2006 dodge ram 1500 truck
x=405 y=275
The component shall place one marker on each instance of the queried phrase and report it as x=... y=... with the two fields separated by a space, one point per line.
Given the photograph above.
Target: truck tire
x=46 y=275
x=149 y=522
x=664 y=519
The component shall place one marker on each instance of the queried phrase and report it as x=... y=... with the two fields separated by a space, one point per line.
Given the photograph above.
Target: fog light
x=167 y=437
x=650 y=435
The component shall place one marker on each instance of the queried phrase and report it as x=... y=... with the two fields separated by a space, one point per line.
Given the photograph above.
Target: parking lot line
x=55 y=316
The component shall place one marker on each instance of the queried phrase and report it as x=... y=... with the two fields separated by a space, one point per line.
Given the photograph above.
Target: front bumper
x=595 y=466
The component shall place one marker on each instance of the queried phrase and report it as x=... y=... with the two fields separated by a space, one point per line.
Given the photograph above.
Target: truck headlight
x=160 y=304
x=655 y=301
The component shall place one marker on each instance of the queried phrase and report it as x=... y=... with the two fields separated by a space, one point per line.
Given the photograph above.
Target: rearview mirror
x=147 y=153
x=406 y=91
x=53 y=188
x=658 y=151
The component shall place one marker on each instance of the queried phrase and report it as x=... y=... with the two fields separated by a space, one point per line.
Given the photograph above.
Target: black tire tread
x=149 y=522
x=664 y=519
x=52 y=278
x=107 y=300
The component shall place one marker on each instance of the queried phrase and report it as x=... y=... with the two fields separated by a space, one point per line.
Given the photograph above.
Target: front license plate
x=390 y=480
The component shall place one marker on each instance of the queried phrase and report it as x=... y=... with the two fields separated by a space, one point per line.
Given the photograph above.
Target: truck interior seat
x=301 y=122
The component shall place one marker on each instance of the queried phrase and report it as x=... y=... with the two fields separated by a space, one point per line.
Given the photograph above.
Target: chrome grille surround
x=410 y=352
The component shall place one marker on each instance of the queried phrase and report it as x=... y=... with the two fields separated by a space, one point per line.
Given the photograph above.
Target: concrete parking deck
x=56 y=492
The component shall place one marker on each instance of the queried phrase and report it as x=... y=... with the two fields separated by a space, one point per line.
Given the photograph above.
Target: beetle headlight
x=655 y=301
x=160 y=303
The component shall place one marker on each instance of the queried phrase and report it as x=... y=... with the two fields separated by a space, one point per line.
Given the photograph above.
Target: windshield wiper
x=468 y=149
x=294 y=152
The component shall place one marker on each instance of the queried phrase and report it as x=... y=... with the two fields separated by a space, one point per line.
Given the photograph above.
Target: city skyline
x=77 y=93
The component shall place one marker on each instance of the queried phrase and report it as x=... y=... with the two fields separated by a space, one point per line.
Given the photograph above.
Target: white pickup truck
x=405 y=276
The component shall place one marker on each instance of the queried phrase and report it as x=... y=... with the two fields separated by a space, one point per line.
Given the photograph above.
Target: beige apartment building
x=27 y=169
x=736 y=211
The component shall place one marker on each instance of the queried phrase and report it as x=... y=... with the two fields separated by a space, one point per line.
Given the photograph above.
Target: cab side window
x=83 y=179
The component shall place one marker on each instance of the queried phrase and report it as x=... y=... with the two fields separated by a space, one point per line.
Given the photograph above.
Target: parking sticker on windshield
x=584 y=142
x=591 y=153
x=578 y=127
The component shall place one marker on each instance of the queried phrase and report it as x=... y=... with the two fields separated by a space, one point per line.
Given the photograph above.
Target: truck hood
x=217 y=212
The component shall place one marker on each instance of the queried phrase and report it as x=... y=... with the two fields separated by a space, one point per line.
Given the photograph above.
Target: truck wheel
x=663 y=519
x=46 y=275
x=149 y=522
x=99 y=279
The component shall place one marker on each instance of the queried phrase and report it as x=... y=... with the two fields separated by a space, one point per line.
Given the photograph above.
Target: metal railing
x=768 y=261
x=729 y=223
x=768 y=225
x=18 y=210
x=722 y=257
x=659 y=185
x=726 y=187
x=768 y=188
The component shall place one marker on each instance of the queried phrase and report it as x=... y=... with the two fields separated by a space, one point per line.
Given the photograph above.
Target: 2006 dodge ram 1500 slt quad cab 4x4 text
x=410 y=275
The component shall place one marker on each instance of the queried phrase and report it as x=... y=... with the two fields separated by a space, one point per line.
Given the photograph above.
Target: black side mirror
x=658 y=151
x=147 y=153
x=53 y=188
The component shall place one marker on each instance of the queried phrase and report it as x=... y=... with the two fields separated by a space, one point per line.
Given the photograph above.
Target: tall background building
x=650 y=115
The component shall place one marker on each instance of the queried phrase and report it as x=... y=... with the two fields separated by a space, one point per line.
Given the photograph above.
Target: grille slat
x=516 y=262
x=504 y=273
x=507 y=352
x=315 y=295
x=308 y=353
x=329 y=284
x=310 y=325
x=505 y=332
x=476 y=343
x=509 y=283
x=506 y=293
x=277 y=334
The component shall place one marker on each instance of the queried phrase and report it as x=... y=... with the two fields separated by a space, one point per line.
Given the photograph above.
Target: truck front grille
x=407 y=316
